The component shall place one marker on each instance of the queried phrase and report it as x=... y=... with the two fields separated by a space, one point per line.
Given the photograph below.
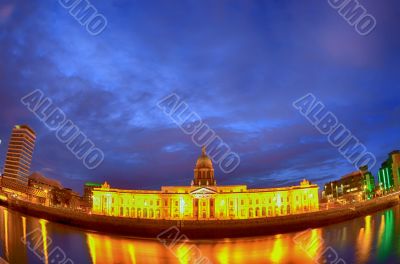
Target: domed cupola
x=204 y=170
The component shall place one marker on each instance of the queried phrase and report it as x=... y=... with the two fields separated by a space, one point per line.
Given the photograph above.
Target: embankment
x=204 y=229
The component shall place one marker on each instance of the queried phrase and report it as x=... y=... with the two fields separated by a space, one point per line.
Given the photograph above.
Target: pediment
x=203 y=190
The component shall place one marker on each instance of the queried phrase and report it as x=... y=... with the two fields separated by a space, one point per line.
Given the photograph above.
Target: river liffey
x=369 y=239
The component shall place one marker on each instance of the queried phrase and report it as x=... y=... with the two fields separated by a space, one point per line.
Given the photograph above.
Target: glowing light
x=92 y=247
x=44 y=237
x=278 y=250
x=216 y=202
x=24 y=226
x=6 y=231
x=181 y=206
x=132 y=254
x=364 y=241
x=279 y=200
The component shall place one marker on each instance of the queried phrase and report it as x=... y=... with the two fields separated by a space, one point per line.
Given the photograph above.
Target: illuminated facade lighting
x=204 y=200
x=389 y=173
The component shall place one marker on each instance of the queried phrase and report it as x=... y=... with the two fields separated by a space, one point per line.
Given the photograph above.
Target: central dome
x=204 y=162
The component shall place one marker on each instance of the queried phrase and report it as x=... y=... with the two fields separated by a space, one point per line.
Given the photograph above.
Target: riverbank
x=204 y=229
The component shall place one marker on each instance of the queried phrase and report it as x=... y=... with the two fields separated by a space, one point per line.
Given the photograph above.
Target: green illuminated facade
x=369 y=182
x=358 y=185
x=389 y=173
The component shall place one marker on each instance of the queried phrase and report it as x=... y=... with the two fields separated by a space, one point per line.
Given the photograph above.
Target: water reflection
x=370 y=239
x=106 y=249
x=364 y=241
x=44 y=239
x=386 y=235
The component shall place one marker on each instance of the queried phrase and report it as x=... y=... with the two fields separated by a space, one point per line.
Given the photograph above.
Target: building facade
x=389 y=173
x=88 y=194
x=41 y=188
x=18 y=160
x=205 y=200
x=355 y=186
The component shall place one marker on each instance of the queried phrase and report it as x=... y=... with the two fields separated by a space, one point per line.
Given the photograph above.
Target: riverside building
x=356 y=186
x=389 y=173
x=18 y=160
x=205 y=200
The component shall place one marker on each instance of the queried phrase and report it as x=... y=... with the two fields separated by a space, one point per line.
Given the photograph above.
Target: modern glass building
x=389 y=173
x=18 y=159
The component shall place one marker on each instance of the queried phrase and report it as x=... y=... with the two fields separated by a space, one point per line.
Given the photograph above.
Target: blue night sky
x=238 y=64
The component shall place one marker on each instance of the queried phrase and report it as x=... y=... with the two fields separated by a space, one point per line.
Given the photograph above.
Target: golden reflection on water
x=105 y=249
x=370 y=238
x=43 y=223
x=24 y=228
x=6 y=232
x=381 y=230
x=276 y=249
x=131 y=251
x=364 y=241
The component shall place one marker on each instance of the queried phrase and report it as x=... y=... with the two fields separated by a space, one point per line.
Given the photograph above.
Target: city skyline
x=188 y=131
x=239 y=78
x=387 y=178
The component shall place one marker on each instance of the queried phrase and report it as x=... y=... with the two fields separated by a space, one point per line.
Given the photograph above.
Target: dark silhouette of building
x=88 y=194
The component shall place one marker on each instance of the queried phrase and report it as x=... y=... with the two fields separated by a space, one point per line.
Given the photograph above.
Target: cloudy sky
x=238 y=64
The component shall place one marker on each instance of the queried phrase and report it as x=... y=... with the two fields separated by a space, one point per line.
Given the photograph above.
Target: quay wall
x=203 y=229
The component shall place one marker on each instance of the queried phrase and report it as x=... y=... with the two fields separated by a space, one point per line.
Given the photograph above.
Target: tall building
x=204 y=200
x=355 y=186
x=389 y=173
x=18 y=159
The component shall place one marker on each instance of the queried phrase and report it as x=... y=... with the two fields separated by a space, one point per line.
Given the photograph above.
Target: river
x=370 y=239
